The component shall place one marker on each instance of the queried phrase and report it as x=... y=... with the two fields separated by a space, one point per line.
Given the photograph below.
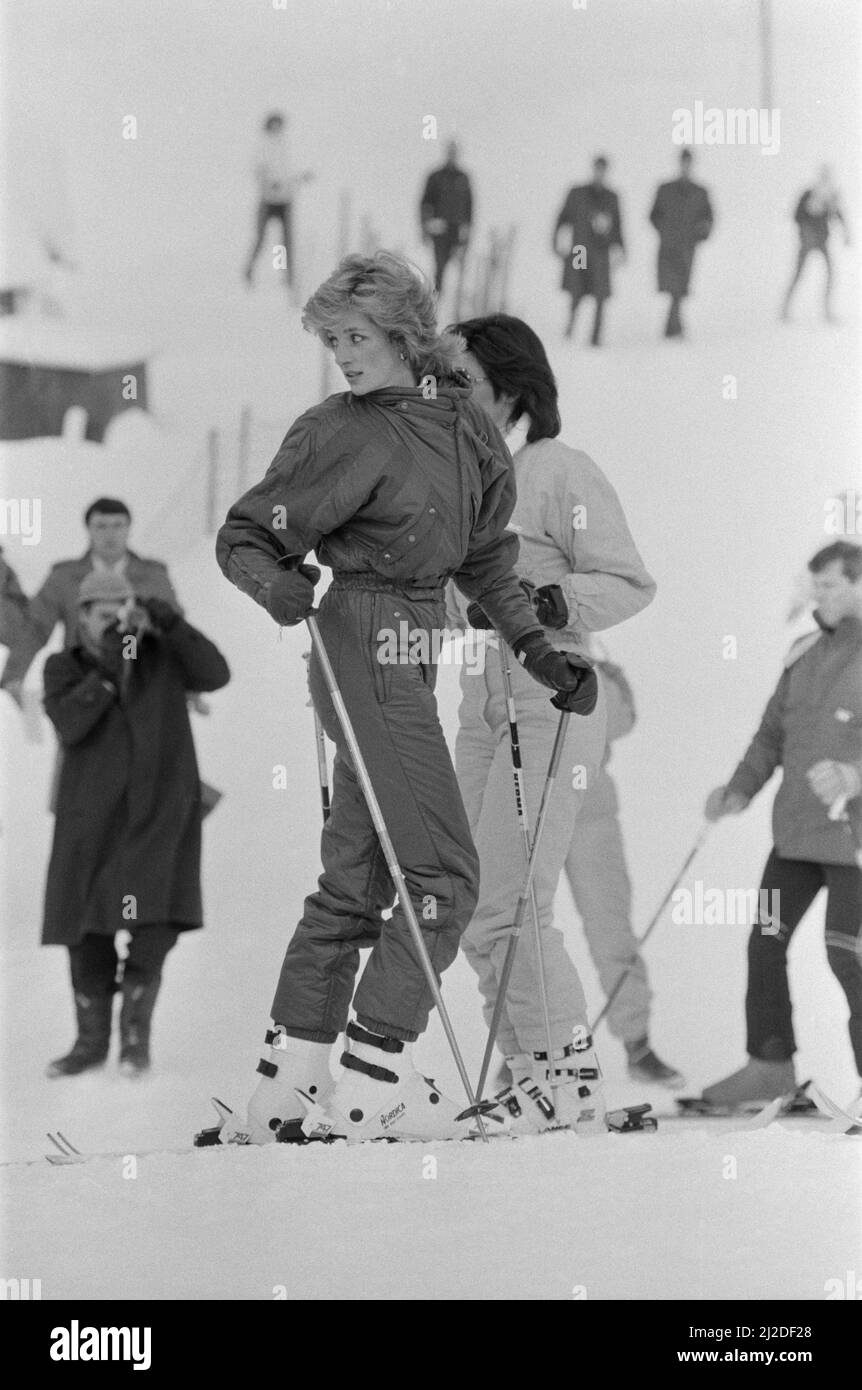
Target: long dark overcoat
x=127 y=836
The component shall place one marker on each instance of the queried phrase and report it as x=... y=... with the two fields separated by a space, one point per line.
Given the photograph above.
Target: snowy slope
x=726 y=500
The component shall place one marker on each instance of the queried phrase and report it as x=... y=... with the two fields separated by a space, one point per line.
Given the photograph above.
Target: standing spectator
x=108 y=522
x=446 y=213
x=589 y=238
x=817 y=207
x=598 y=877
x=682 y=215
x=127 y=835
x=277 y=182
x=811 y=729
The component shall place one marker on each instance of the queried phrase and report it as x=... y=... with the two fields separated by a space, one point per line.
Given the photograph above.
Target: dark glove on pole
x=571 y=676
x=290 y=596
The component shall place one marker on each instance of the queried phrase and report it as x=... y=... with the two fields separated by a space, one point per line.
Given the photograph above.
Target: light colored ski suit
x=571 y=532
x=598 y=877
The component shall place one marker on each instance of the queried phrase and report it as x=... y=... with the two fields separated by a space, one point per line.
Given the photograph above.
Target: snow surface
x=726 y=500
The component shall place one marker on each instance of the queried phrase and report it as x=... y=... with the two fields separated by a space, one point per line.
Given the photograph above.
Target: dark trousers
x=768 y=1010
x=394 y=715
x=444 y=248
x=577 y=296
x=94 y=962
x=673 y=324
x=805 y=249
x=283 y=213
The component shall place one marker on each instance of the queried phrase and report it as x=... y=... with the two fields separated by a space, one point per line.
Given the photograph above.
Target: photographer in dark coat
x=127 y=838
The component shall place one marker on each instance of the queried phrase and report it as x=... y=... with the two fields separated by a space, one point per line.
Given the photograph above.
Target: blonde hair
x=397 y=298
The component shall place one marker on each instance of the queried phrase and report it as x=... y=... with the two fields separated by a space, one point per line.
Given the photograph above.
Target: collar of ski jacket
x=446 y=398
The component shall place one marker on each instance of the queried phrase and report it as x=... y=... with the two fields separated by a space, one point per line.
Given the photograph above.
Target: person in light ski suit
x=573 y=538
x=396 y=486
x=598 y=877
x=811 y=729
x=277 y=183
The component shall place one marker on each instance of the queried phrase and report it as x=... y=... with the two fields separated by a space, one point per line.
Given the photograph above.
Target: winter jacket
x=813 y=214
x=128 y=805
x=572 y=531
x=57 y=602
x=815 y=713
x=593 y=214
x=448 y=195
x=682 y=216
x=392 y=485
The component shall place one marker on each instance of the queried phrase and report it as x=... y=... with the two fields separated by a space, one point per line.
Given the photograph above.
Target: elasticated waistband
x=378 y=583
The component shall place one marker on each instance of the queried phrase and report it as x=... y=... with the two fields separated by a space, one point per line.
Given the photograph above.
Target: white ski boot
x=381 y=1095
x=295 y=1065
x=571 y=1098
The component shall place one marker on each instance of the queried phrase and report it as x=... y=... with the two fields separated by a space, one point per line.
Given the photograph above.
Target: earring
x=403 y=356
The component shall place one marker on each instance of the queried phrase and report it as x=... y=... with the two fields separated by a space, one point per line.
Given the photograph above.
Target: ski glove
x=548 y=601
x=571 y=676
x=290 y=596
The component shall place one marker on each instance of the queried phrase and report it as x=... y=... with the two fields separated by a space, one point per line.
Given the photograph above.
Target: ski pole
x=320 y=743
x=523 y=900
x=391 y=858
x=322 y=769
x=705 y=829
x=521 y=805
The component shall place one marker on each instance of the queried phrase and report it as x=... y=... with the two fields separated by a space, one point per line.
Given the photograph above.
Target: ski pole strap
x=362 y=1035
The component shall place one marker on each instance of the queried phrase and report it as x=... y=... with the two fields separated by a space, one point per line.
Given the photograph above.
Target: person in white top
x=277 y=182
x=576 y=549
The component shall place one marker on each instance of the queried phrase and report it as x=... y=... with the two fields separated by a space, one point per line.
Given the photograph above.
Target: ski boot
x=646 y=1067
x=570 y=1096
x=295 y=1065
x=381 y=1095
x=754 y=1084
x=93 y=1013
x=136 y=1016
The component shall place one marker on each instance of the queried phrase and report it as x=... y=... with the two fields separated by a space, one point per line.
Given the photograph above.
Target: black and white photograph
x=431 y=665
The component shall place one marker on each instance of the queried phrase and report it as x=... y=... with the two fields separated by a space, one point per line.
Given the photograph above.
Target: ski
x=844 y=1122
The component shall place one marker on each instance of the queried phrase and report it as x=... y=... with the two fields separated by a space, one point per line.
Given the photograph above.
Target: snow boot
x=570 y=1098
x=136 y=1016
x=645 y=1066
x=381 y=1095
x=93 y=1013
x=757 y=1082
x=294 y=1064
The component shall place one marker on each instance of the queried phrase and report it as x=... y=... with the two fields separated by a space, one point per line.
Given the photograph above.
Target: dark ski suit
x=396 y=493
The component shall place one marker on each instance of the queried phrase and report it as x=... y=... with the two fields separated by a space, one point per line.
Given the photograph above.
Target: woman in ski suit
x=396 y=484
x=577 y=552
